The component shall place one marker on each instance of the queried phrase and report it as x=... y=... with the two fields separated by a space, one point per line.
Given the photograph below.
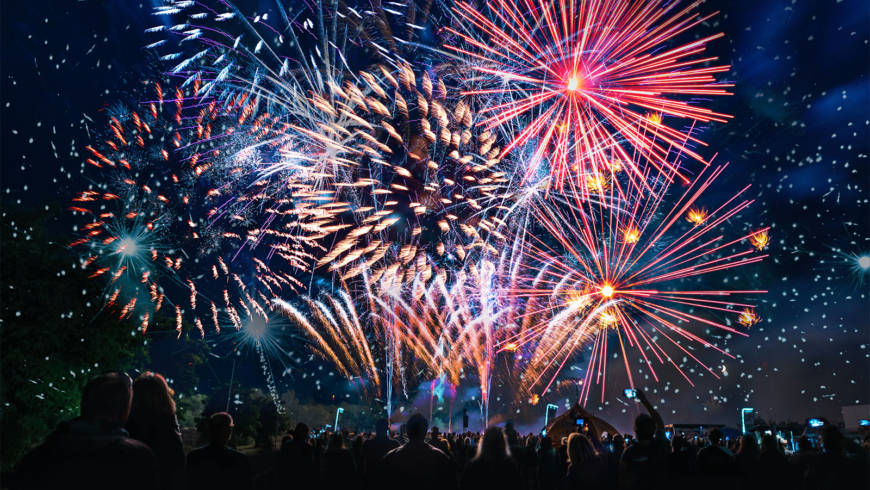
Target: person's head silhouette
x=580 y=449
x=416 y=427
x=715 y=437
x=493 y=444
x=220 y=428
x=336 y=441
x=748 y=445
x=301 y=432
x=804 y=444
x=107 y=398
x=381 y=427
x=644 y=427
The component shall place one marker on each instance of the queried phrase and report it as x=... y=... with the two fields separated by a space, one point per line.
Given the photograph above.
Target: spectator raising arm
x=660 y=424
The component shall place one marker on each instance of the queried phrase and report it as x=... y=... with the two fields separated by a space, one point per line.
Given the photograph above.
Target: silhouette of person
x=152 y=421
x=338 y=471
x=92 y=451
x=804 y=458
x=747 y=462
x=216 y=465
x=297 y=459
x=417 y=464
x=374 y=451
x=716 y=462
x=644 y=464
x=681 y=462
x=841 y=464
x=549 y=465
x=493 y=466
x=772 y=461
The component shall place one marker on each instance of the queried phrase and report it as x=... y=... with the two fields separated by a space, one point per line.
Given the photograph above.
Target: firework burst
x=136 y=235
x=593 y=278
x=511 y=199
x=340 y=171
x=595 y=86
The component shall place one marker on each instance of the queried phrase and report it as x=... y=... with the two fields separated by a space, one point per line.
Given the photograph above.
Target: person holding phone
x=644 y=464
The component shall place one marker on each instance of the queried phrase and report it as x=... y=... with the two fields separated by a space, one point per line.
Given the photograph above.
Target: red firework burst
x=627 y=267
x=591 y=83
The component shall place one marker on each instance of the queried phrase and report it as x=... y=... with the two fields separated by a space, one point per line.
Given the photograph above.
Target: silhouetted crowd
x=127 y=437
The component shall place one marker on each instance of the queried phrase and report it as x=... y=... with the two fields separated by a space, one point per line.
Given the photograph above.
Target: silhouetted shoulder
x=134 y=446
x=222 y=456
x=440 y=453
x=197 y=454
x=65 y=461
x=392 y=452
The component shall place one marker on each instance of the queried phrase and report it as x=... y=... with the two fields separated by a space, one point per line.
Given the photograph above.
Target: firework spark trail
x=453 y=322
x=336 y=333
x=590 y=83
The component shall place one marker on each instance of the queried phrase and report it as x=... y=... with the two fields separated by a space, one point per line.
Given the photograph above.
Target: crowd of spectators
x=127 y=437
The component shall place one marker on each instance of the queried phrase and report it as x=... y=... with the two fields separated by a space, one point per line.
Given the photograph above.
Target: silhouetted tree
x=53 y=333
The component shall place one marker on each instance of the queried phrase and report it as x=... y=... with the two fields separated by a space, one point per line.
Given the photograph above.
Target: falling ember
x=608 y=318
x=696 y=216
x=760 y=239
x=748 y=317
x=631 y=235
x=509 y=347
x=654 y=118
x=577 y=299
x=596 y=183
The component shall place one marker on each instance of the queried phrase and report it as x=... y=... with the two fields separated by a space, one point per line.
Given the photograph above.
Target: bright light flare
x=575 y=83
x=256 y=329
x=748 y=317
x=631 y=235
x=696 y=216
x=127 y=247
x=760 y=239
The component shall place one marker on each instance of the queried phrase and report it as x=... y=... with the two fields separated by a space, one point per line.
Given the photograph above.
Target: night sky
x=800 y=135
